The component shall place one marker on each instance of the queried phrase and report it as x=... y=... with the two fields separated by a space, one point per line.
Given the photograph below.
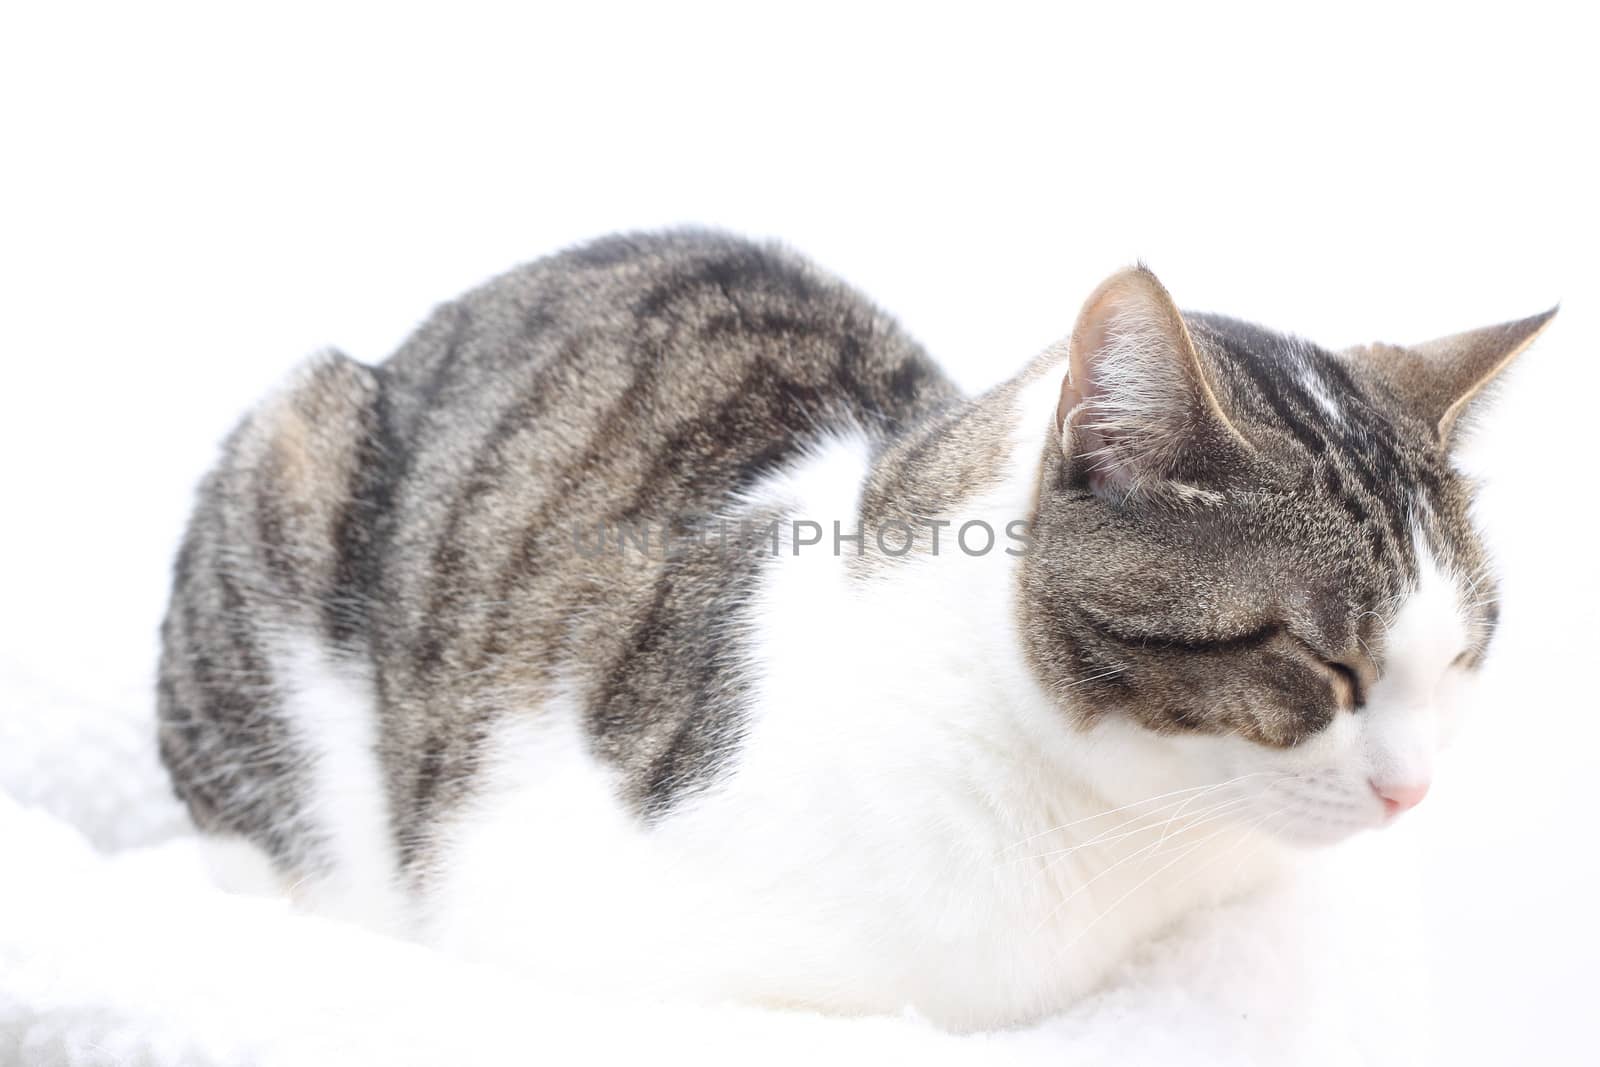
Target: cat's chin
x=1316 y=834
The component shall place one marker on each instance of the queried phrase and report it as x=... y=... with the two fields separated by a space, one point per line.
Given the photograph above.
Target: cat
x=661 y=618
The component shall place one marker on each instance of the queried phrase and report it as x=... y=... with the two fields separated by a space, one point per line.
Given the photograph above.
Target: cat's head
x=1254 y=559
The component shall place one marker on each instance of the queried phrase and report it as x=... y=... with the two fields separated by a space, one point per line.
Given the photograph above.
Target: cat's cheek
x=1314 y=793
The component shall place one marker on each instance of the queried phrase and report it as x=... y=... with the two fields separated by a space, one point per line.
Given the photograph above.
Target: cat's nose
x=1398 y=798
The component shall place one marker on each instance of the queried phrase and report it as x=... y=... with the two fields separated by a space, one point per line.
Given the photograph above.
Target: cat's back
x=647 y=340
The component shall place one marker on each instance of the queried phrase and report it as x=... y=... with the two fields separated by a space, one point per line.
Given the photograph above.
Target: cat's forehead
x=1282 y=379
x=1350 y=500
x=1318 y=402
x=1336 y=437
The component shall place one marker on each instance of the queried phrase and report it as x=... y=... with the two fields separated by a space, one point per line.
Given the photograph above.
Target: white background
x=193 y=200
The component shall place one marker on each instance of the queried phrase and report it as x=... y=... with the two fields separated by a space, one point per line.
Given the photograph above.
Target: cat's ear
x=1442 y=380
x=1137 y=415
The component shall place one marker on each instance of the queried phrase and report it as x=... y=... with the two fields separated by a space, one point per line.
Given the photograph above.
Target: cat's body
x=811 y=770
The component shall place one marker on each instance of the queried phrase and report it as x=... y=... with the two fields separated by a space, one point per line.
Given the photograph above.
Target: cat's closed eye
x=1344 y=677
x=1347 y=683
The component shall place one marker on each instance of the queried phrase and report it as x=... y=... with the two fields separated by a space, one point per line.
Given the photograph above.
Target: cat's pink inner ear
x=1125 y=305
x=1131 y=383
x=1136 y=399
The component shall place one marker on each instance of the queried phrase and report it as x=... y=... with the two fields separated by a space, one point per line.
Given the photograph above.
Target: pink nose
x=1398 y=798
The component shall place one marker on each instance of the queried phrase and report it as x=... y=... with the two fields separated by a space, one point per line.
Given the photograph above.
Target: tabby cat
x=661 y=618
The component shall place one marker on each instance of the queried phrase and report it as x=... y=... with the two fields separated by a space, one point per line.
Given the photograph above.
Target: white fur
x=1319 y=392
x=332 y=711
x=911 y=820
x=1419 y=688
